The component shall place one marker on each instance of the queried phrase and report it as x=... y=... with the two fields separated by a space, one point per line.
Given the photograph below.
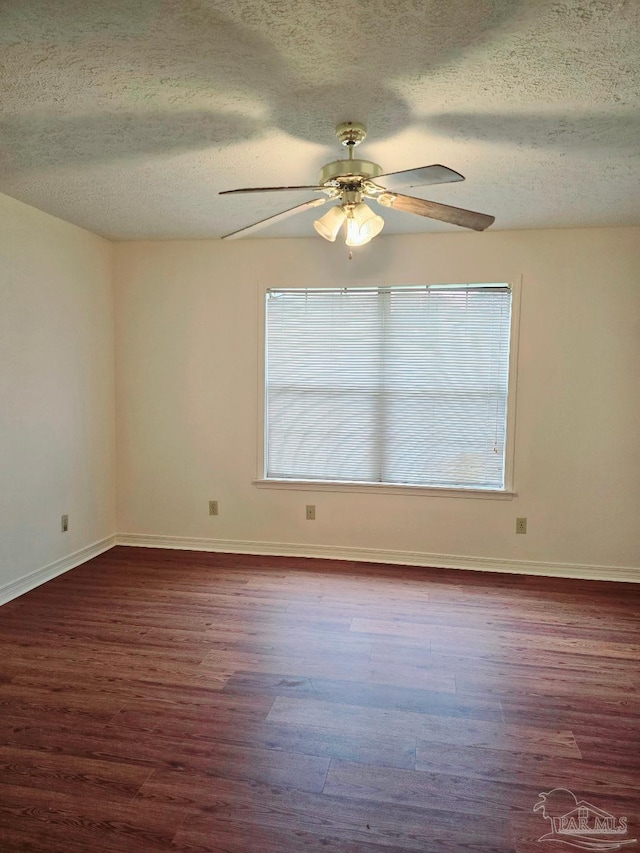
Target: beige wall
x=57 y=437
x=187 y=390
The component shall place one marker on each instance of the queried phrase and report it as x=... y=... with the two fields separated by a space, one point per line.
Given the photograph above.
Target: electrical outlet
x=213 y=507
x=521 y=525
x=64 y=523
x=311 y=512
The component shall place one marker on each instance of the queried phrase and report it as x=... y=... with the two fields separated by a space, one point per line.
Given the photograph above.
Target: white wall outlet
x=64 y=523
x=521 y=525
x=213 y=507
x=311 y=512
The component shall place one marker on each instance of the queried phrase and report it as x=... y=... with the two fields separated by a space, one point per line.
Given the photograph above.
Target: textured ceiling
x=127 y=118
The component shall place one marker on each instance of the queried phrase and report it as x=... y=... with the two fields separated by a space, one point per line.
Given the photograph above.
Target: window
x=389 y=385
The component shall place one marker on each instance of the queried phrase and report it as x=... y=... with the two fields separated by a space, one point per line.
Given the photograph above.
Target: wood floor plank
x=450 y=640
x=268 y=766
x=210 y=832
x=535 y=740
x=70 y=773
x=426 y=728
x=374 y=695
x=393 y=750
x=100 y=822
x=591 y=777
x=504 y=680
x=347 y=820
x=396 y=628
x=200 y=719
x=479 y=797
x=205 y=832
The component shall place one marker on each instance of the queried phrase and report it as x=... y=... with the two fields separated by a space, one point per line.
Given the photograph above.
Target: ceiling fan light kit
x=362 y=225
x=350 y=181
x=329 y=225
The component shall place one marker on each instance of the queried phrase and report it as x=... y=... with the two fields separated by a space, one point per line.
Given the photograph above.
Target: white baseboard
x=369 y=555
x=46 y=573
x=331 y=552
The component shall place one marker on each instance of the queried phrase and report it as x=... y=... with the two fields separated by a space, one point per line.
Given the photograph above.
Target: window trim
x=382 y=488
x=507 y=493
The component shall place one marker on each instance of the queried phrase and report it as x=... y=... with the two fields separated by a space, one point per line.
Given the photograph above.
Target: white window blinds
x=388 y=385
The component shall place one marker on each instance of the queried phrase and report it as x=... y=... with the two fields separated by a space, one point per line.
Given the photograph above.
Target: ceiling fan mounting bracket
x=351 y=133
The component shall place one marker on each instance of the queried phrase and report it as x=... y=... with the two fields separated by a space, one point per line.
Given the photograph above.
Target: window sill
x=384 y=489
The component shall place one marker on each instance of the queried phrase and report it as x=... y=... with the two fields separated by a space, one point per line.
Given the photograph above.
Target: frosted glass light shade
x=329 y=224
x=362 y=225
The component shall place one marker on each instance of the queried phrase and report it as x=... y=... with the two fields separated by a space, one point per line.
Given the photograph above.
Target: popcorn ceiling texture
x=128 y=118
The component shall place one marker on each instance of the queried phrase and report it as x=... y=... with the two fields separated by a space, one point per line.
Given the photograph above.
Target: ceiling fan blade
x=269 y=190
x=418 y=177
x=271 y=220
x=435 y=210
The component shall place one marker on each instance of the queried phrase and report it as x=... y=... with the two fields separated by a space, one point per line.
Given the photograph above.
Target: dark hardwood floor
x=159 y=700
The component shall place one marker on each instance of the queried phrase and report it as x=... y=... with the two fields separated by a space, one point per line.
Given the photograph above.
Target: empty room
x=319 y=433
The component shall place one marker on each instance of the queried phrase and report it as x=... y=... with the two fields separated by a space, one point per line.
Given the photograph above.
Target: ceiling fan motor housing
x=346 y=172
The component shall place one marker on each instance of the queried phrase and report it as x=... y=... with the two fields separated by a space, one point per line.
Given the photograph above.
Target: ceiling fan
x=350 y=181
